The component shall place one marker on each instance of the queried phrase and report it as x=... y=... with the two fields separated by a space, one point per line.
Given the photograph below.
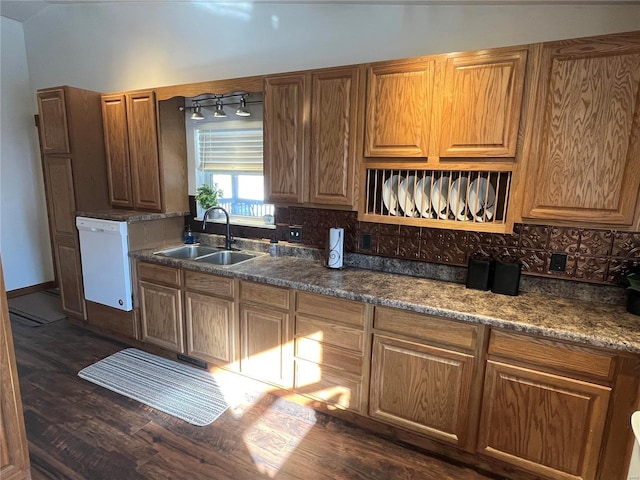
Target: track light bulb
x=197 y=115
x=242 y=109
x=219 y=112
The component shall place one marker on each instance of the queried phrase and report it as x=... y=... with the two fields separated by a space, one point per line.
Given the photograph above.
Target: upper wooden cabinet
x=116 y=142
x=310 y=136
x=583 y=149
x=285 y=137
x=399 y=104
x=478 y=95
x=145 y=145
x=482 y=103
x=54 y=133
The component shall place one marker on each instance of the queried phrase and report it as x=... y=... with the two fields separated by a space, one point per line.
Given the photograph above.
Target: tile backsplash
x=593 y=255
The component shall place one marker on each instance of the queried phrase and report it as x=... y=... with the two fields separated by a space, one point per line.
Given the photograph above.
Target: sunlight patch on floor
x=270 y=442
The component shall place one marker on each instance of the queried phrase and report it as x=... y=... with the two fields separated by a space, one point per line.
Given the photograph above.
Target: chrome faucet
x=227 y=238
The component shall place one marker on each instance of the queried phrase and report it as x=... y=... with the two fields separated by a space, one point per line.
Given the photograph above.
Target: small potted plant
x=208 y=196
x=632 y=279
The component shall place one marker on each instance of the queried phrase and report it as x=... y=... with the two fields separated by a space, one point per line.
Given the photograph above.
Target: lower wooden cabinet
x=266 y=343
x=70 y=275
x=544 y=423
x=211 y=325
x=161 y=316
x=161 y=306
x=420 y=387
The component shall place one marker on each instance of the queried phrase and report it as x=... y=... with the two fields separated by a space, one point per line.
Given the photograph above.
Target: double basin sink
x=207 y=254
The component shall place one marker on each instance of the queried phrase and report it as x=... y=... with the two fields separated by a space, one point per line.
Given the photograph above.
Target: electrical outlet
x=558 y=262
x=295 y=234
x=365 y=241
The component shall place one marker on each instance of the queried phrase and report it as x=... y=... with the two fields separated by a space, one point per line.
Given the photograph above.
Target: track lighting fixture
x=233 y=99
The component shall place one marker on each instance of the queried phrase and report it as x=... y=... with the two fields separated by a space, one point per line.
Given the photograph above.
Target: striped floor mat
x=185 y=392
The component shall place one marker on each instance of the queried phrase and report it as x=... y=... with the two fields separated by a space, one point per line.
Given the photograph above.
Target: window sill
x=241 y=221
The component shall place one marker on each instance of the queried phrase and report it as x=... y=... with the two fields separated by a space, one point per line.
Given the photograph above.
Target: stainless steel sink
x=188 y=252
x=228 y=257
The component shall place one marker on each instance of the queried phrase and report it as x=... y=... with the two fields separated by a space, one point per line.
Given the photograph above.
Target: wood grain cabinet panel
x=286 y=110
x=328 y=385
x=54 y=133
x=210 y=328
x=116 y=142
x=482 y=103
x=334 y=120
x=143 y=142
x=398 y=109
x=549 y=425
x=58 y=174
x=14 y=450
x=421 y=388
x=266 y=347
x=583 y=157
x=311 y=136
x=67 y=252
x=161 y=316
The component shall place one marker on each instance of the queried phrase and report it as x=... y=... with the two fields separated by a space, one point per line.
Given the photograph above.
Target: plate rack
x=474 y=200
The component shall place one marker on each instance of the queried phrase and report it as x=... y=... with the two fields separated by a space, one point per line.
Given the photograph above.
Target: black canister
x=479 y=273
x=506 y=277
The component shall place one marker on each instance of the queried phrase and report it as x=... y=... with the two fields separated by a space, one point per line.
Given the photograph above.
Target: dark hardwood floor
x=77 y=430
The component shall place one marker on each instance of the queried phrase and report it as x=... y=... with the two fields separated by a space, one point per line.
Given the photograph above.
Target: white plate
x=440 y=195
x=458 y=198
x=477 y=196
x=390 y=194
x=422 y=197
x=406 y=194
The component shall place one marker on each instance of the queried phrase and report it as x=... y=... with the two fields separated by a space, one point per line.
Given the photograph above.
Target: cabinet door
x=334 y=114
x=60 y=195
x=70 y=275
x=211 y=329
x=286 y=124
x=14 y=450
x=265 y=347
x=482 y=103
x=399 y=101
x=116 y=144
x=54 y=133
x=583 y=160
x=421 y=388
x=547 y=424
x=161 y=316
x=143 y=150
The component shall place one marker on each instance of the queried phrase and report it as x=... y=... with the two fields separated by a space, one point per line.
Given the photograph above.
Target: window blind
x=229 y=150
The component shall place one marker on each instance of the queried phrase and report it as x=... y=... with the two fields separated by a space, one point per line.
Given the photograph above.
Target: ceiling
x=22 y=10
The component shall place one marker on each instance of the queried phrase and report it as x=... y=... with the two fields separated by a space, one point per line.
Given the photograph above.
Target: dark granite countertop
x=590 y=323
x=129 y=216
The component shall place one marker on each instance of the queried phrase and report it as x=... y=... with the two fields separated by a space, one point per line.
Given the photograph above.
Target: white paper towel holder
x=335 y=254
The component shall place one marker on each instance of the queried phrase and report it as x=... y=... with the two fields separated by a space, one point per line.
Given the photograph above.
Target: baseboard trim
x=18 y=292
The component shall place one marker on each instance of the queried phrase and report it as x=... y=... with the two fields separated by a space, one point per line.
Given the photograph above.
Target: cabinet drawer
x=209 y=284
x=327 y=385
x=548 y=354
x=426 y=327
x=264 y=294
x=159 y=274
x=330 y=333
x=344 y=311
x=327 y=355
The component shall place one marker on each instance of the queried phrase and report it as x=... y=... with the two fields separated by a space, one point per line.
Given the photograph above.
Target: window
x=228 y=154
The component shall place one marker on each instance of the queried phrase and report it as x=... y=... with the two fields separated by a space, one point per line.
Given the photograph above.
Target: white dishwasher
x=104 y=249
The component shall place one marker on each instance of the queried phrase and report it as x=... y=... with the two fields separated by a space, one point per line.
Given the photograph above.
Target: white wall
x=23 y=217
x=109 y=47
